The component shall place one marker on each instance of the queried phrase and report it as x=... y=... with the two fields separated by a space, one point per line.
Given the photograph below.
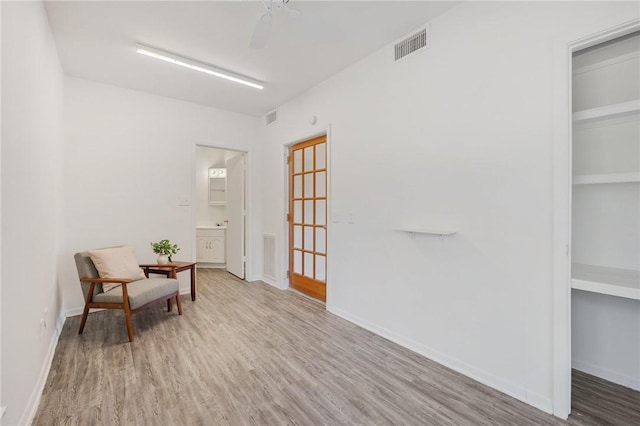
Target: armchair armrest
x=105 y=280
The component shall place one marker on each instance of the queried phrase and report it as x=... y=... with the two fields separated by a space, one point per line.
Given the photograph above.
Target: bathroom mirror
x=217 y=186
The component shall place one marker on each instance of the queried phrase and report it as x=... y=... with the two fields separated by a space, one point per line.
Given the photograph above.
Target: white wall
x=460 y=136
x=32 y=135
x=2 y=406
x=129 y=157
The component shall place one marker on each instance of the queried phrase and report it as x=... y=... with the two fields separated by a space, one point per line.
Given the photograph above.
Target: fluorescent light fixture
x=198 y=66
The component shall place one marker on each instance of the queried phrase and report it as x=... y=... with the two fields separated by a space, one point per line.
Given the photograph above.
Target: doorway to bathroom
x=220 y=209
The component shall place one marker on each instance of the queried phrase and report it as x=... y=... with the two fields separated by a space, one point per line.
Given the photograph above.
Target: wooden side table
x=168 y=271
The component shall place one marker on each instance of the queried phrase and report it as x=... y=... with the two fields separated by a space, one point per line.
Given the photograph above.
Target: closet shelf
x=607 y=63
x=432 y=231
x=606 y=178
x=608 y=111
x=605 y=280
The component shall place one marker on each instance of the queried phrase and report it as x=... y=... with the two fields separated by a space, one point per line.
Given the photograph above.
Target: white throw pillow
x=116 y=262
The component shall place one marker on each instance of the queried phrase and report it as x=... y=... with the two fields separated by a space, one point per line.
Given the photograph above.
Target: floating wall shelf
x=431 y=231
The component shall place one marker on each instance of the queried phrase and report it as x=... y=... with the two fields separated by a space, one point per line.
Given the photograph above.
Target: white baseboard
x=605 y=373
x=60 y=322
x=73 y=312
x=538 y=401
x=34 y=400
x=272 y=283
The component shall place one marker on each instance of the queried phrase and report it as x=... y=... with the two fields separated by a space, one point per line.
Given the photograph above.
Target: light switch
x=184 y=201
x=351 y=218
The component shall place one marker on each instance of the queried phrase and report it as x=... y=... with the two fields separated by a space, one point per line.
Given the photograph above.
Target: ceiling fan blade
x=261 y=32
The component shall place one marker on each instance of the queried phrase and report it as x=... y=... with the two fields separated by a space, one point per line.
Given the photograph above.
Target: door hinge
x=289 y=275
x=288 y=217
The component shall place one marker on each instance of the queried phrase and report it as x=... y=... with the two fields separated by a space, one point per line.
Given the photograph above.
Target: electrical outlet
x=183 y=201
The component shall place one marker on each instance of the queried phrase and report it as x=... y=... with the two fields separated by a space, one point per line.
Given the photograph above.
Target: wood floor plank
x=596 y=401
x=249 y=354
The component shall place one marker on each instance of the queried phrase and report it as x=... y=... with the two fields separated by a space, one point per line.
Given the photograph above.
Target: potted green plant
x=164 y=249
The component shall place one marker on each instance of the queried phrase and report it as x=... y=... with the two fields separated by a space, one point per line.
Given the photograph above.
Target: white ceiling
x=96 y=41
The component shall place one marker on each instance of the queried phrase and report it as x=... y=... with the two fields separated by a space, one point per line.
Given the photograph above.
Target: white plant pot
x=162 y=259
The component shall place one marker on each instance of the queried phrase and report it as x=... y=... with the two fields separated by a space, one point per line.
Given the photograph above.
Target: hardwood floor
x=247 y=353
x=598 y=402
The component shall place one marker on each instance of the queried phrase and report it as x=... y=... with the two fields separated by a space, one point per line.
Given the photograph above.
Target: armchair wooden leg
x=127 y=318
x=179 y=303
x=83 y=321
x=169 y=305
x=127 y=312
x=85 y=312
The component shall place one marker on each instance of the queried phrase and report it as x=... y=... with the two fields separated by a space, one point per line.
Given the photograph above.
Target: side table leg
x=193 y=283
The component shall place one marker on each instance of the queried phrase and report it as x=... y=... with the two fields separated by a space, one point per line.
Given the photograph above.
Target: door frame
x=248 y=205
x=284 y=264
x=562 y=190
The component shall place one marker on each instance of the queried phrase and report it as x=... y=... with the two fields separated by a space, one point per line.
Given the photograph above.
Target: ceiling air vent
x=271 y=117
x=411 y=44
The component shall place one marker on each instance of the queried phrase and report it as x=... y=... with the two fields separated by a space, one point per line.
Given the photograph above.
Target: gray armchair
x=131 y=295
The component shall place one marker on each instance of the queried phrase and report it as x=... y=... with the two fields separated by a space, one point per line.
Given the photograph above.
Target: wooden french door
x=308 y=217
